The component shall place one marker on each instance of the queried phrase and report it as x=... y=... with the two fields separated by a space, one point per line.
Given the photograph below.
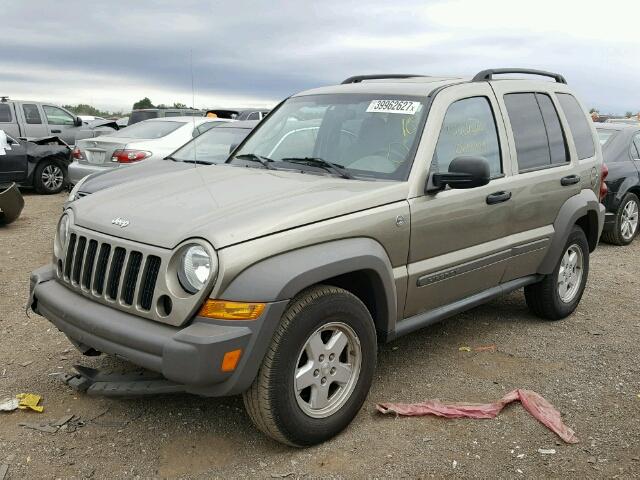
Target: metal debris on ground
x=547 y=451
x=69 y=423
x=9 y=404
x=533 y=403
x=30 y=401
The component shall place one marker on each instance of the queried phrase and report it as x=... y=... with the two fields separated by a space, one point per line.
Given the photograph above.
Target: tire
x=625 y=228
x=544 y=298
x=273 y=401
x=49 y=177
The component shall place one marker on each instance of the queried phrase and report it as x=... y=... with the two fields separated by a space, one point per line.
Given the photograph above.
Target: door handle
x=498 y=197
x=569 y=180
x=56 y=131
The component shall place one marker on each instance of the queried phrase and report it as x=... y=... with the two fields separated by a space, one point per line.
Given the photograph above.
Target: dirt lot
x=587 y=366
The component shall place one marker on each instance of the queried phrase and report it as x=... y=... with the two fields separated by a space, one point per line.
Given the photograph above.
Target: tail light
x=129 y=156
x=604 y=172
x=77 y=154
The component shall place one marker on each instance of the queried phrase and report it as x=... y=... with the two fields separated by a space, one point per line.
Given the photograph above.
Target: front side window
x=578 y=124
x=468 y=129
x=31 y=114
x=5 y=113
x=148 y=129
x=636 y=144
x=370 y=135
x=57 y=116
x=213 y=146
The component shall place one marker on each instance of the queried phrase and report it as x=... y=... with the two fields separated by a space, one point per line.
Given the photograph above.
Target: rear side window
x=468 y=129
x=578 y=124
x=529 y=132
x=557 y=144
x=5 y=113
x=31 y=114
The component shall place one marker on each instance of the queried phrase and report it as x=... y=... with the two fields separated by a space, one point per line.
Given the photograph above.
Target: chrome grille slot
x=89 y=262
x=131 y=277
x=117 y=262
x=78 y=258
x=148 y=286
x=69 y=258
x=101 y=268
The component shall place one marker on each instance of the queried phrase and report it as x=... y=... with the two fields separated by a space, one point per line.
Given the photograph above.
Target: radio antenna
x=193 y=106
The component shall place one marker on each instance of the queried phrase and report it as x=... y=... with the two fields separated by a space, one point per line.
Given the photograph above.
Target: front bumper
x=190 y=355
x=77 y=171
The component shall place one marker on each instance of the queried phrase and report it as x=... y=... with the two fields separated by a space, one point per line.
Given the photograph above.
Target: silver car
x=149 y=139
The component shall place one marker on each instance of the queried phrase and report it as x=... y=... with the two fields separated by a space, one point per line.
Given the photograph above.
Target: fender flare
x=585 y=203
x=282 y=276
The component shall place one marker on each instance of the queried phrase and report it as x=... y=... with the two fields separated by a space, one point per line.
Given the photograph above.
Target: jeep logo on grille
x=121 y=222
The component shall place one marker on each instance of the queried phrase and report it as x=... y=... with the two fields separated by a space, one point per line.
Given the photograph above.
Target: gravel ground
x=587 y=366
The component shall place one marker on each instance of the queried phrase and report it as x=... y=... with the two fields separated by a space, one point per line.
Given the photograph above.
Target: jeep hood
x=226 y=204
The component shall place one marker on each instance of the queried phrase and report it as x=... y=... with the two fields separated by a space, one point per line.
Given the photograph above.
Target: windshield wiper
x=322 y=163
x=199 y=162
x=252 y=157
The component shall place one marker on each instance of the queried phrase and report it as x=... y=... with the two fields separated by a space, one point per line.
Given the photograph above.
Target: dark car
x=621 y=152
x=212 y=146
x=141 y=114
x=239 y=113
x=39 y=163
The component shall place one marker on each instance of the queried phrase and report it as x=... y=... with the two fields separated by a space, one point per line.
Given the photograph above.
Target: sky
x=251 y=53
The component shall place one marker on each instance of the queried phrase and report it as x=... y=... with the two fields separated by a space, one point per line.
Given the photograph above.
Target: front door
x=13 y=164
x=61 y=123
x=458 y=245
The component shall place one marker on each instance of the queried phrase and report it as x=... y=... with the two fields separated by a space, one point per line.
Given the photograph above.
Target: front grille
x=111 y=272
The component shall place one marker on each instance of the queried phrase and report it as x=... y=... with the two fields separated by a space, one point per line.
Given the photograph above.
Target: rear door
x=545 y=170
x=13 y=164
x=458 y=246
x=33 y=120
x=8 y=119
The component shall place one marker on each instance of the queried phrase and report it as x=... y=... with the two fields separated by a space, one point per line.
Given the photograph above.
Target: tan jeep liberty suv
x=353 y=214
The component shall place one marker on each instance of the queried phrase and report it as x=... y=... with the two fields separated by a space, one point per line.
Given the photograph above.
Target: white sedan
x=155 y=138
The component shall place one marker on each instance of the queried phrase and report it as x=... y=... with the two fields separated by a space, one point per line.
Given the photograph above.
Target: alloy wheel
x=570 y=273
x=629 y=220
x=52 y=177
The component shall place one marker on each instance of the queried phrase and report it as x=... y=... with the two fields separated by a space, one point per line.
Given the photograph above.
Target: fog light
x=230 y=360
x=223 y=310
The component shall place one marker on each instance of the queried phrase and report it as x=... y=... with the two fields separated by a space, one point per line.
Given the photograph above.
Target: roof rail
x=360 y=78
x=486 y=75
x=4 y=98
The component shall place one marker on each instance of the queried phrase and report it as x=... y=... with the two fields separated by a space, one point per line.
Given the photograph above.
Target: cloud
x=256 y=53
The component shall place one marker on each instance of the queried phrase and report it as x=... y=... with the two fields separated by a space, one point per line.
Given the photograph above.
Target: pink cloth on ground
x=533 y=403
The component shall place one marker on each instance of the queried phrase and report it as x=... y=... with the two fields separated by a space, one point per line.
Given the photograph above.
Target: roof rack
x=360 y=78
x=486 y=75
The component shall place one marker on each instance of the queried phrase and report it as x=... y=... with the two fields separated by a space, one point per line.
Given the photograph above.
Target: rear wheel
x=49 y=177
x=625 y=228
x=318 y=369
x=558 y=294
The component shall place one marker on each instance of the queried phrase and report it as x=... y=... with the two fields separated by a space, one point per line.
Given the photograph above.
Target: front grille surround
x=126 y=275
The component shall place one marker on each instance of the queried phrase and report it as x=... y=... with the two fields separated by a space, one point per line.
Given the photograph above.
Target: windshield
x=213 y=146
x=148 y=129
x=604 y=135
x=369 y=135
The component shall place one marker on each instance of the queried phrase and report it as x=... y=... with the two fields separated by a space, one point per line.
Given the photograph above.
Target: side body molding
x=281 y=277
x=585 y=203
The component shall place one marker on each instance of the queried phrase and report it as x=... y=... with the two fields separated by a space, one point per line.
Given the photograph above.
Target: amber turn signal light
x=224 y=310
x=230 y=360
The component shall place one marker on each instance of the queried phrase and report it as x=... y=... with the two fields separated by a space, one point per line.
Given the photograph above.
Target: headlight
x=62 y=234
x=196 y=267
x=76 y=188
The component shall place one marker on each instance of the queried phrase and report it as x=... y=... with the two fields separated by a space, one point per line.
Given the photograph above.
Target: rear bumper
x=77 y=171
x=190 y=355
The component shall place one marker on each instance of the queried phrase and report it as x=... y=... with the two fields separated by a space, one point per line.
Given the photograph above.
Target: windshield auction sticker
x=405 y=107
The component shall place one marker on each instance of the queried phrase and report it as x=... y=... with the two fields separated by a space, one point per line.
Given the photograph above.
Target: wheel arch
x=584 y=210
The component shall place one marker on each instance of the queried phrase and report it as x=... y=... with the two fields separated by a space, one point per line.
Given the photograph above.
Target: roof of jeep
x=399 y=86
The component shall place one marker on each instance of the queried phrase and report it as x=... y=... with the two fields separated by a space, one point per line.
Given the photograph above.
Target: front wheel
x=49 y=177
x=318 y=369
x=558 y=294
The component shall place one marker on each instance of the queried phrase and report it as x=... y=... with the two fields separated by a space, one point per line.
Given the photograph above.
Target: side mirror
x=77 y=122
x=464 y=172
